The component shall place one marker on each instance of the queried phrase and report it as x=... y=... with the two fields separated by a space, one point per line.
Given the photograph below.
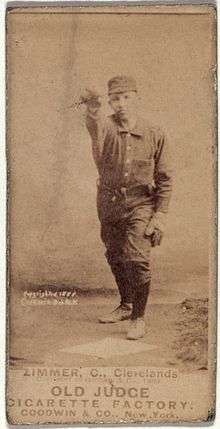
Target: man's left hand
x=155 y=228
x=156 y=237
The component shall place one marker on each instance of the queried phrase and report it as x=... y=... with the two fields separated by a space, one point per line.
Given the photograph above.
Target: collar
x=138 y=130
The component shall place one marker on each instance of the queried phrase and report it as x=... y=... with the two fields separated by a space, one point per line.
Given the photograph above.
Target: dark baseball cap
x=119 y=84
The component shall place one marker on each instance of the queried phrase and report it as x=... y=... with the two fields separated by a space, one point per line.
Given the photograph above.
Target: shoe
x=137 y=329
x=123 y=312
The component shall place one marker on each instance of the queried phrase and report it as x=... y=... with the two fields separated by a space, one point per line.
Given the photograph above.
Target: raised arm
x=96 y=124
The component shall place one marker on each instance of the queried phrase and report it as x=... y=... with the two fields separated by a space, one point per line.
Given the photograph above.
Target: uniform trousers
x=123 y=224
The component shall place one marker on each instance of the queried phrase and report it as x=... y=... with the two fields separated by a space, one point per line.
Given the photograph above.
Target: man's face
x=124 y=104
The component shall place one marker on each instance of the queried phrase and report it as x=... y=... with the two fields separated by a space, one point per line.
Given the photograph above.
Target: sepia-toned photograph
x=111 y=162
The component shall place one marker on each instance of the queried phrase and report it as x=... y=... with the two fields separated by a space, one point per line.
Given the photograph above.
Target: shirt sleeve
x=97 y=127
x=162 y=173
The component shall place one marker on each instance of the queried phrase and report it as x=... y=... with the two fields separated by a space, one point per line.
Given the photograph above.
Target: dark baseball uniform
x=134 y=183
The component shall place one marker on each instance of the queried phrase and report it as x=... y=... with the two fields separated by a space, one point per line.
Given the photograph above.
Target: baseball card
x=111 y=212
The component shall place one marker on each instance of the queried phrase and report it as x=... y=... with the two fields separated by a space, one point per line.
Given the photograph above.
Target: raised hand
x=92 y=99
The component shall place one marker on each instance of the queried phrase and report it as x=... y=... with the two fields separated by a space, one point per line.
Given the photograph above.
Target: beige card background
x=52 y=54
x=53 y=215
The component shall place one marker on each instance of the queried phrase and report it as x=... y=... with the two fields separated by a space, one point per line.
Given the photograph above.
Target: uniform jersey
x=131 y=158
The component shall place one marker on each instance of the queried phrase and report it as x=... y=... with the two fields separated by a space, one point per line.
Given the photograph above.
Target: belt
x=127 y=192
